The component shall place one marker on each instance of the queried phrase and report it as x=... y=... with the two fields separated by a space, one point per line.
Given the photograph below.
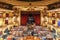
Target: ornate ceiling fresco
x=33 y=2
x=9 y=4
x=29 y=0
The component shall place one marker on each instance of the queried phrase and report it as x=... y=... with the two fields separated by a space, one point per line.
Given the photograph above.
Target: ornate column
x=20 y=17
x=41 y=17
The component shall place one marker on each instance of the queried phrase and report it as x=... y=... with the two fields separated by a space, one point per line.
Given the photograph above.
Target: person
x=4 y=35
x=30 y=28
x=25 y=30
x=43 y=38
x=33 y=24
x=7 y=31
x=34 y=32
x=0 y=33
x=54 y=33
x=30 y=19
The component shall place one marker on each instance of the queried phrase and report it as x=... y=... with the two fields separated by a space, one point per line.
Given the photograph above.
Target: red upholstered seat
x=9 y=38
x=29 y=37
x=20 y=38
x=49 y=38
x=36 y=38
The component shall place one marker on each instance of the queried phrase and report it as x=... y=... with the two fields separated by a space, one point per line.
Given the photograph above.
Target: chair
x=20 y=38
x=24 y=38
x=9 y=38
x=0 y=32
x=49 y=38
x=36 y=38
x=29 y=37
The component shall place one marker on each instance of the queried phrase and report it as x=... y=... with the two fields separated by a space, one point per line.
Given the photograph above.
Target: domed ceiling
x=29 y=0
x=8 y=4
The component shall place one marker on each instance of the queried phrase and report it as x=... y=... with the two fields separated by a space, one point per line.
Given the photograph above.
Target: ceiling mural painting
x=30 y=0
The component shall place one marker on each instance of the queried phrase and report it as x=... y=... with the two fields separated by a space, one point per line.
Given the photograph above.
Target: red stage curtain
x=25 y=14
x=24 y=18
x=37 y=19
